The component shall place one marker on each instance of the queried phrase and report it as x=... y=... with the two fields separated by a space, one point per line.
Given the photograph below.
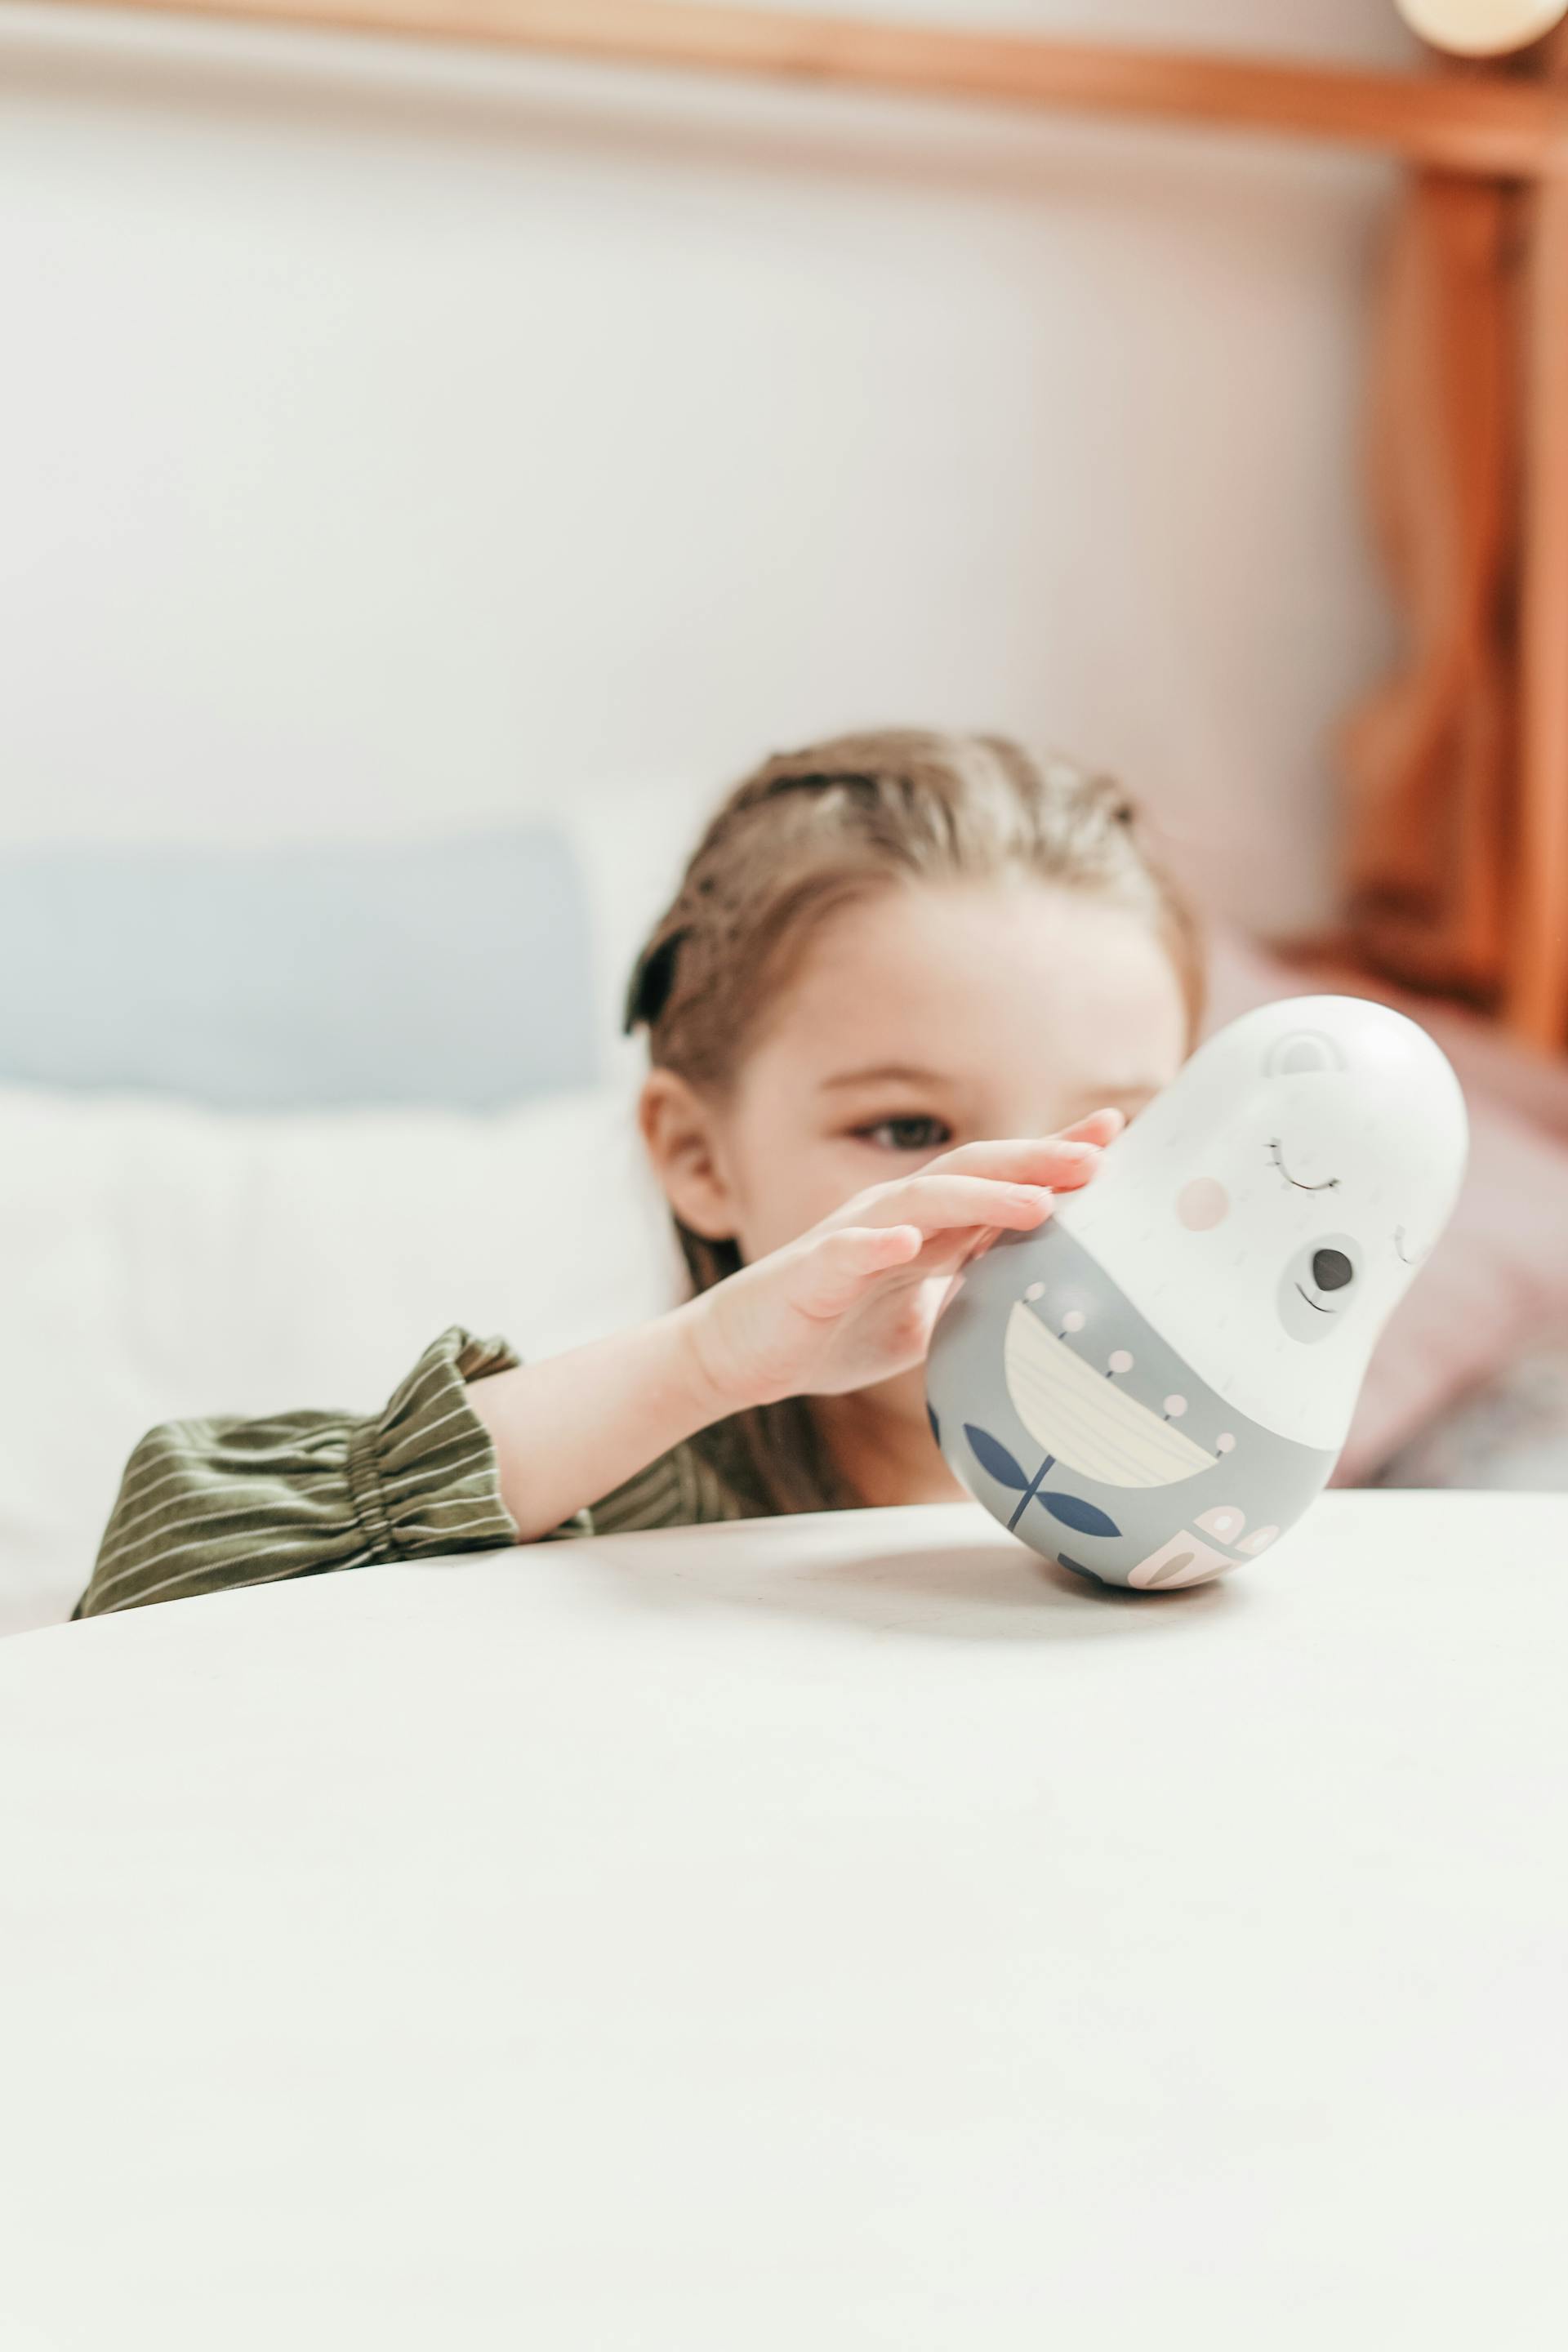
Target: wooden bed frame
x=1458 y=122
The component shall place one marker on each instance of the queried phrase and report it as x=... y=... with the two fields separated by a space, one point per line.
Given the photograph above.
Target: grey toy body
x=1119 y=1495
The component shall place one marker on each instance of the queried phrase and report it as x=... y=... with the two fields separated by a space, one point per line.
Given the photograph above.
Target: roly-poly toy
x=1155 y=1385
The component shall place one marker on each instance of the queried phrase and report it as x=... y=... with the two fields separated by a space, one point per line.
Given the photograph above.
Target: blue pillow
x=453 y=972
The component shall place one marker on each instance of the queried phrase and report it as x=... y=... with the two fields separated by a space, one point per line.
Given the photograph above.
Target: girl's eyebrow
x=886 y=1073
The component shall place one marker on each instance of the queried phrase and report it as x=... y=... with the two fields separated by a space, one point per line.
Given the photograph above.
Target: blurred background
x=431 y=472
x=397 y=435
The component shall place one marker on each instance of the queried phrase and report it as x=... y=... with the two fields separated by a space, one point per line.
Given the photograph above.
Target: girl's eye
x=907 y=1134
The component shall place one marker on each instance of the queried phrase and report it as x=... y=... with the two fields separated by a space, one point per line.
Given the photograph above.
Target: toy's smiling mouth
x=1401 y=1252
x=1276 y=1158
x=1316 y=1305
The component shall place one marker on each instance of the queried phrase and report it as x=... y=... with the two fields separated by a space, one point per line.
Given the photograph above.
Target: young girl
x=887 y=952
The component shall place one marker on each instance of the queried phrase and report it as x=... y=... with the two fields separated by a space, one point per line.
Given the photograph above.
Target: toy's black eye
x=1332 y=1269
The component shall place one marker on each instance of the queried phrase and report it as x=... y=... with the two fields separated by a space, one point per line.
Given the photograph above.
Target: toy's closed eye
x=1406 y=1256
x=1277 y=1158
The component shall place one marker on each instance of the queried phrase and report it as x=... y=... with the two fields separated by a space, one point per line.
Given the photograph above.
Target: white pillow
x=159 y=1261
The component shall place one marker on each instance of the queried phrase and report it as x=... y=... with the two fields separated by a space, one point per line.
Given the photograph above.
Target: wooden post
x=1537 y=1004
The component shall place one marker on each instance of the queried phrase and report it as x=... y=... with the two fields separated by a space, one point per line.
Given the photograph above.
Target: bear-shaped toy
x=1155 y=1385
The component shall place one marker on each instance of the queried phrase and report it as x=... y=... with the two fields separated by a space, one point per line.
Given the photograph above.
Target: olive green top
x=205 y=1505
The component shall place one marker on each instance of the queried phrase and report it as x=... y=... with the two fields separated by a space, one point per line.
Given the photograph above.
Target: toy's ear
x=1299 y=1052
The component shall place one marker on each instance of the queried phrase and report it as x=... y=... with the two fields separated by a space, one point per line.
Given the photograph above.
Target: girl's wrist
x=710 y=1387
x=572 y=1429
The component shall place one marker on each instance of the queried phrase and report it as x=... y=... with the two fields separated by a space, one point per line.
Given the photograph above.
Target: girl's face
x=918 y=1019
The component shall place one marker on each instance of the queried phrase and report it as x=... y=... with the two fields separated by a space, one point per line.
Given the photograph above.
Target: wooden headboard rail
x=1459 y=124
x=1464 y=122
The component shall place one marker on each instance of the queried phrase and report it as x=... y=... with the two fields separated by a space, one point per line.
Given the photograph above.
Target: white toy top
x=1268 y=1211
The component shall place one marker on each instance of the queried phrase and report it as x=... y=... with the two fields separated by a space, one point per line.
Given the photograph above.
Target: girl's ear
x=677 y=1128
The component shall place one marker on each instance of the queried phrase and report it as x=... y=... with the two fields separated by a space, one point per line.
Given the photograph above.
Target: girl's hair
x=808 y=833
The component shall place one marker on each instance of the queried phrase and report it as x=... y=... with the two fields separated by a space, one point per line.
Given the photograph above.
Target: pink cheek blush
x=1202 y=1204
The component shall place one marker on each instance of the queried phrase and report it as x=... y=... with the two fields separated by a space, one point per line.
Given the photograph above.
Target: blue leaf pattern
x=1084 y=1519
x=994 y=1459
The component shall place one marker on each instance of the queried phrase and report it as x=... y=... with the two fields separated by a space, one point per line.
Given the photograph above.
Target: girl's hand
x=853 y=1301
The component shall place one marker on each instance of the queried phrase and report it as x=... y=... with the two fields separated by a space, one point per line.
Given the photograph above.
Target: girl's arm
x=475 y=1451
x=574 y=1427
x=851 y=1302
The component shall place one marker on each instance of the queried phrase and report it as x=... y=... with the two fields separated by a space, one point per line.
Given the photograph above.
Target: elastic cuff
x=365 y=1488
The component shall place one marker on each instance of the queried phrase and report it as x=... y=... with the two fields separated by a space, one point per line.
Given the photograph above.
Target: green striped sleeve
x=206 y=1504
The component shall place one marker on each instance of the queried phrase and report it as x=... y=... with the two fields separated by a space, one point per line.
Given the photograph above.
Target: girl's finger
x=1059 y=1160
x=1101 y=1127
x=839 y=1267
x=940 y=1203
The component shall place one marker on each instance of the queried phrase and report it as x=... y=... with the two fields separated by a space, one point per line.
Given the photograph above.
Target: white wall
x=391 y=437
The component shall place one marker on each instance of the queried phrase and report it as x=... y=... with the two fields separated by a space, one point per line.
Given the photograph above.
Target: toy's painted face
x=1268 y=1210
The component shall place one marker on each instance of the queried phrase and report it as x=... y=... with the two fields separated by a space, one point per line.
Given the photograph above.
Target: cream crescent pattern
x=1081 y=1416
